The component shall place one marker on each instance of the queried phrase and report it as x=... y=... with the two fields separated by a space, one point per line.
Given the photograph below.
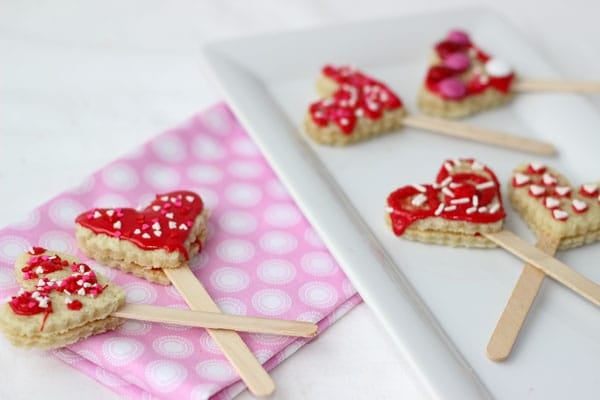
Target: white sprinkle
x=454 y=185
x=157 y=233
x=117 y=225
x=560 y=214
x=164 y=198
x=536 y=190
x=551 y=202
x=183 y=227
x=537 y=166
x=579 y=205
x=344 y=121
x=359 y=112
x=457 y=162
x=66 y=292
x=87 y=284
x=482 y=209
x=52 y=257
x=446 y=181
x=485 y=185
x=146 y=236
x=589 y=188
x=81 y=268
x=475 y=201
x=68 y=300
x=521 y=179
x=471 y=210
x=97 y=214
x=438 y=211
x=156 y=226
x=548 y=179
x=137 y=231
x=495 y=207
x=41 y=282
x=156 y=207
x=448 y=166
x=450 y=208
x=447 y=192
x=169 y=215
x=420 y=188
x=35 y=294
x=81 y=292
x=172 y=225
x=39 y=270
x=562 y=190
x=43 y=303
x=189 y=198
x=461 y=200
x=419 y=199
x=389 y=209
x=20 y=292
x=110 y=213
x=80 y=282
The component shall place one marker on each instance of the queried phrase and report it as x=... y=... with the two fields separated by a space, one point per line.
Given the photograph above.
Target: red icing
x=42 y=264
x=456 y=195
x=36 y=251
x=357 y=95
x=82 y=282
x=474 y=82
x=164 y=224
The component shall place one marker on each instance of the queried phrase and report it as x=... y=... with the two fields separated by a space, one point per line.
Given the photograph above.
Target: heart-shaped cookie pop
x=552 y=207
x=563 y=217
x=462 y=203
x=355 y=107
x=60 y=301
x=165 y=234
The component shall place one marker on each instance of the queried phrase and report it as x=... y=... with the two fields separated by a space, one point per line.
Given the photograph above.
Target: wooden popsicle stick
x=235 y=350
x=202 y=319
x=555 y=85
x=548 y=264
x=477 y=134
x=508 y=326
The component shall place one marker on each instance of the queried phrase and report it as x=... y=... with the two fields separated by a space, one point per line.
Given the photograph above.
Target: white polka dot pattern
x=262 y=258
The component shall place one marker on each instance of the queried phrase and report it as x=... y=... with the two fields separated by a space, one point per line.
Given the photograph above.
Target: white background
x=81 y=83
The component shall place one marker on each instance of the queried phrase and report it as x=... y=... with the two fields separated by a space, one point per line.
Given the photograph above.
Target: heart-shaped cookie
x=463 y=202
x=551 y=206
x=165 y=234
x=354 y=107
x=61 y=301
x=463 y=79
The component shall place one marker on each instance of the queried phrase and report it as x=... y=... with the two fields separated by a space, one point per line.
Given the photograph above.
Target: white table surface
x=82 y=83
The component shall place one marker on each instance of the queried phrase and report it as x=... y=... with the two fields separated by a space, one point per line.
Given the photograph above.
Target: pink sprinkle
x=458 y=36
x=26 y=275
x=118 y=234
x=145 y=226
x=34 y=260
x=44 y=258
x=452 y=88
x=189 y=223
x=155 y=220
x=167 y=205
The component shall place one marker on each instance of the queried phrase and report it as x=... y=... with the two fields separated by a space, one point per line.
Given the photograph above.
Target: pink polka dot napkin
x=262 y=258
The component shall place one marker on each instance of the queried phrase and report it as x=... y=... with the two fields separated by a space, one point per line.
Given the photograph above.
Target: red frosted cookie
x=165 y=234
x=353 y=107
x=61 y=301
x=464 y=201
x=463 y=79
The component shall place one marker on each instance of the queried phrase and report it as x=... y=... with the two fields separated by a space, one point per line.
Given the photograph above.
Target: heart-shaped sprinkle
x=521 y=179
x=536 y=190
x=549 y=179
x=560 y=215
x=589 y=190
x=562 y=191
x=537 y=168
x=551 y=202
x=579 y=205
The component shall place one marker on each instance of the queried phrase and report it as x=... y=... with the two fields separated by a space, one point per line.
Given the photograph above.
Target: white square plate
x=440 y=304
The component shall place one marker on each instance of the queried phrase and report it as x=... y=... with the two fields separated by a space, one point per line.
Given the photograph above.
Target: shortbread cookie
x=354 y=107
x=165 y=234
x=463 y=79
x=61 y=301
x=551 y=206
x=464 y=202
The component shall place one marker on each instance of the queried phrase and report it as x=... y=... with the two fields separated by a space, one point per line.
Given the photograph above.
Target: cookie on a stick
x=463 y=207
x=355 y=107
x=463 y=79
x=156 y=244
x=63 y=300
x=563 y=217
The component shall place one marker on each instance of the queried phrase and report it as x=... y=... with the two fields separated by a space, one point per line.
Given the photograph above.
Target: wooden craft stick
x=555 y=85
x=202 y=319
x=507 y=329
x=477 y=134
x=237 y=352
x=548 y=264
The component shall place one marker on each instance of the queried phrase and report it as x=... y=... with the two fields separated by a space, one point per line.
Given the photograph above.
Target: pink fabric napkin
x=262 y=258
